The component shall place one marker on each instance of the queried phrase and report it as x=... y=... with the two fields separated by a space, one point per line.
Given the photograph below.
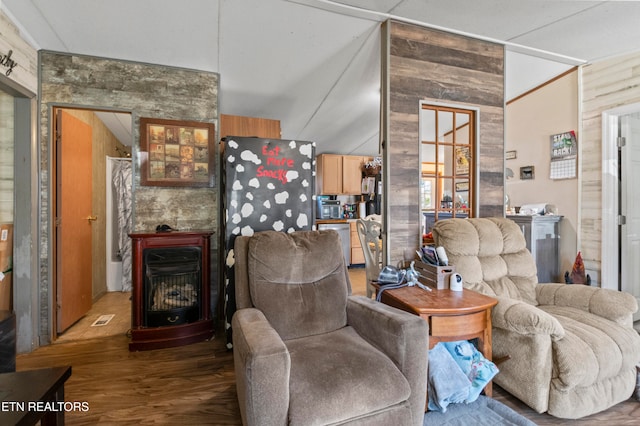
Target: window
x=447 y=162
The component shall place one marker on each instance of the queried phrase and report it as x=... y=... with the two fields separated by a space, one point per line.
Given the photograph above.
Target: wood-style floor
x=194 y=384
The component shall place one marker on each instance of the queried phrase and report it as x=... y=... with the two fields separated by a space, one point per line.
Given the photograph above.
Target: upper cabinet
x=339 y=174
x=236 y=125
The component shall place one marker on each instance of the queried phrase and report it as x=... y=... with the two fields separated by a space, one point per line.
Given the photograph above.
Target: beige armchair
x=306 y=352
x=573 y=348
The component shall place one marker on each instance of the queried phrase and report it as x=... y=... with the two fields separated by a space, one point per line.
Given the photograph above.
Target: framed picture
x=462 y=186
x=527 y=173
x=463 y=159
x=427 y=193
x=177 y=153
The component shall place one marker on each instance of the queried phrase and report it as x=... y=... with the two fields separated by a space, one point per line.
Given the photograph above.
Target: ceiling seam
x=335 y=83
x=382 y=16
x=366 y=141
x=50 y=26
x=564 y=18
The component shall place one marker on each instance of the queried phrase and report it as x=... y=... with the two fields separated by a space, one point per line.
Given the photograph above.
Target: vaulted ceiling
x=314 y=64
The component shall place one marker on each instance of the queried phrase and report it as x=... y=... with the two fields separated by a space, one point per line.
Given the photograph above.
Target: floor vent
x=102 y=320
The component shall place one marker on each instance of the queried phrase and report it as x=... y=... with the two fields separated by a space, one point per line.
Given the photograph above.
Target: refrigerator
x=269 y=184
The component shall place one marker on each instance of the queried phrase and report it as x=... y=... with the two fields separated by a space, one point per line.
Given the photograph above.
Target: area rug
x=482 y=412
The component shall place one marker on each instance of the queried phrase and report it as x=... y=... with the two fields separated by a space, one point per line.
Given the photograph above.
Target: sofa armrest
x=522 y=318
x=402 y=336
x=262 y=366
x=610 y=304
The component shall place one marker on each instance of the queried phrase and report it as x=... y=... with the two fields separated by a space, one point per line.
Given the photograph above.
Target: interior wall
x=22 y=82
x=7 y=118
x=425 y=64
x=605 y=85
x=145 y=90
x=104 y=143
x=530 y=122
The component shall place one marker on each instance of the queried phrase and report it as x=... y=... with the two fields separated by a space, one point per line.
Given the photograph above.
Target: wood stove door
x=74 y=219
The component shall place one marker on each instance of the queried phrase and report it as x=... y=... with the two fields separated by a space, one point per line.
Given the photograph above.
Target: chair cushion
x=299 y=281
x=605 y=346
x=353 y=377
x=491 y=255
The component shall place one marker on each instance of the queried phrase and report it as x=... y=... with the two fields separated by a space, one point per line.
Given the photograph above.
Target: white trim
x=375 y=16
x=476 y=147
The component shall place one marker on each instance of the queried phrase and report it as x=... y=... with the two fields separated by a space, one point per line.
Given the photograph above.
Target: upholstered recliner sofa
x=306 y=352
x=572 y=348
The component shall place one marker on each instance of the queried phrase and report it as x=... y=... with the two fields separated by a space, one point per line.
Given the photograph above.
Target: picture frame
x=462 y=186
x=527 y=173
x=177 y=153
x=462 y=160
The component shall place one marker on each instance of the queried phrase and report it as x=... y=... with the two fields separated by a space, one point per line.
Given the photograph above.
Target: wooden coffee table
x=33 y=395
x=451 y=315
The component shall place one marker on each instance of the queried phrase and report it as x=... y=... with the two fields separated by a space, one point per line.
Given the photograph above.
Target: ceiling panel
x=497 y=19
x=285 y=60
x=154 y=31
x=314 y=64
x=606 y=30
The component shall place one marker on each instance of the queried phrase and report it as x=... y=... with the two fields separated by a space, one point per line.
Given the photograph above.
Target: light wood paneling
x=25 y=73
x=605 y=85
x=235 y=125
x=6 y=157
x=426 y=64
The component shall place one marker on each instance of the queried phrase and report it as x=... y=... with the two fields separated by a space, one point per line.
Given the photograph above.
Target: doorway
x=86 y=139
x=620 y=200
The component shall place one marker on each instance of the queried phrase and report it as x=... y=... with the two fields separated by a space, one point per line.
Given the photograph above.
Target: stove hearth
x=170 y=299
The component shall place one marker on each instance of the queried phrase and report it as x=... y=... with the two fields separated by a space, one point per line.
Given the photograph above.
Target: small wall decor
x=527 y=173
x=176 y=153
x=511 y=155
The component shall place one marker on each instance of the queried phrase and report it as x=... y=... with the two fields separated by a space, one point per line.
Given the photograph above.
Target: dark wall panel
x=422 y=64
x=146 y=90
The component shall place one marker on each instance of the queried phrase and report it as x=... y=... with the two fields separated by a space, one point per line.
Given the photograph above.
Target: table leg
x=55 y=418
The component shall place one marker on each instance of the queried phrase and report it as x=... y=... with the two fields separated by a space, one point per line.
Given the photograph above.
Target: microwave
x=329 y=209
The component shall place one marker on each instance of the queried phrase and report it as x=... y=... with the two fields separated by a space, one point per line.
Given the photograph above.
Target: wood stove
x=170 y=303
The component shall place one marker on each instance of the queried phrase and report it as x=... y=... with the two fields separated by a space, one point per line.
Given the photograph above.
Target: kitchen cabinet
x=235 y=125
x=357 y=255
x=339 y=174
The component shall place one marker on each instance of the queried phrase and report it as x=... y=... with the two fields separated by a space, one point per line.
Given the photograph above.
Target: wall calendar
x=564 y=156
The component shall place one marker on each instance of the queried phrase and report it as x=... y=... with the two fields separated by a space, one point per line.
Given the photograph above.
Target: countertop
x=330 y=221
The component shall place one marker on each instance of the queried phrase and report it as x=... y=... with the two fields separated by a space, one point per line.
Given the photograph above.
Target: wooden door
x=329 y=174
x=73 y=223
x=352 y=174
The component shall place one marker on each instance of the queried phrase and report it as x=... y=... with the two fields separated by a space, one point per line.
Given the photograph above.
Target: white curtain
x=122 y=184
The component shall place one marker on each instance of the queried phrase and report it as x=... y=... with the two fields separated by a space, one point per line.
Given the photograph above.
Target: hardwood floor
x=194 y=384
x=114 y=303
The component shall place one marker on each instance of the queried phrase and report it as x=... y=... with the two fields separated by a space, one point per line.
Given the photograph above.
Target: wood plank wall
x=25 y=73
x=605 y=85
x=6 y=157
x=425 y=64
x=236 y=125
x=145 y=90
